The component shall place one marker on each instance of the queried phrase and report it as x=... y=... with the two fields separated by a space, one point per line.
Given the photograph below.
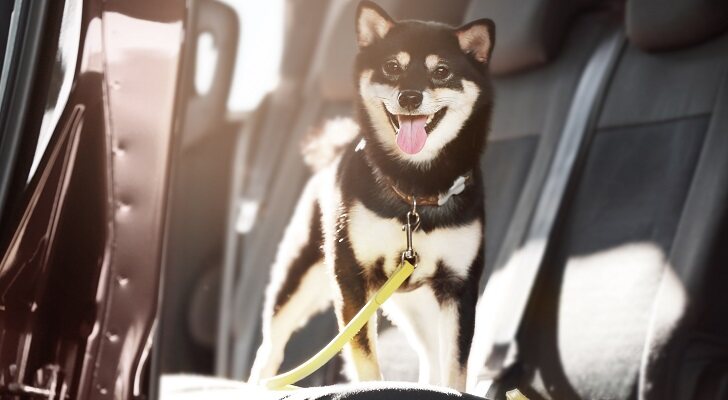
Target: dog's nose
x=410 y=99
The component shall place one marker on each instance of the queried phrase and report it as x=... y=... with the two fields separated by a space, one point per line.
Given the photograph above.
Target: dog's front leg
x=361 y=352
x=456 y=326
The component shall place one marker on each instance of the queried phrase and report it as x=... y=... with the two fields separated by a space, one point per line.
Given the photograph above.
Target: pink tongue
x=411 y=137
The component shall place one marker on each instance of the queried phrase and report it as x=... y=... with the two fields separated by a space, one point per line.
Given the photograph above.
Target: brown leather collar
x=433 y=200
x=409 y=199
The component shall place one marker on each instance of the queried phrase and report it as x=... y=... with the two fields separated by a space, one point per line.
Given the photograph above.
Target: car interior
x=606 y=176
x=625 y=300
x=625 y=303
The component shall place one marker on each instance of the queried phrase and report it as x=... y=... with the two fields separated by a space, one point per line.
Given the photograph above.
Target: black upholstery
x=527 y=35
x=687 y=344
x=506 y=167
x=528 y=119
x=614 y=279
x=664 y=25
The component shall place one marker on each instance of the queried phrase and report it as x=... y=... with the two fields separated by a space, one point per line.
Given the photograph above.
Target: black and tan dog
x=424 y=112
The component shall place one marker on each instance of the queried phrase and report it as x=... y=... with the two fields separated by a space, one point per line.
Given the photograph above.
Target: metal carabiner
x=411 y=225
x=414 y=214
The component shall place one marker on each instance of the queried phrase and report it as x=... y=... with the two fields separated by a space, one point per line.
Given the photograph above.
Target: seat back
x=638 y=242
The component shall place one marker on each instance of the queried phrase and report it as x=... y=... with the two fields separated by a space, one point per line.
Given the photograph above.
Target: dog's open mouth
x=412 y=130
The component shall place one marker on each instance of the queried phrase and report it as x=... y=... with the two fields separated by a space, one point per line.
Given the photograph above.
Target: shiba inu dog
x=424 y=107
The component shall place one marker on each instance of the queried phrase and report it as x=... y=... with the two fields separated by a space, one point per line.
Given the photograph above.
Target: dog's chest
x=372 y=237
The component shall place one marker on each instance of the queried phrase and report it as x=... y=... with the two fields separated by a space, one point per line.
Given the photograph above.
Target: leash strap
x=284 y=381
x=406 y=267
x=506 y=295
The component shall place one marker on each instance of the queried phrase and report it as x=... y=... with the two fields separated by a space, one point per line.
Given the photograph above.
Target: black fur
x=351 y=278
x=466 y=302
x=310 y=255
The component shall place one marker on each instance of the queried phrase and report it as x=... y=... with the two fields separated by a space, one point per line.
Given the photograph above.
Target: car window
x=9 y=18
x=63 y=72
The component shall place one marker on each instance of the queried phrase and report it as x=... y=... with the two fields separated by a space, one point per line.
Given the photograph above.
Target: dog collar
x=456 y=188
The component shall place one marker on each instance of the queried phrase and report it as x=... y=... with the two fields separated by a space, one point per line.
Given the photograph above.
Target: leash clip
x=412 y=224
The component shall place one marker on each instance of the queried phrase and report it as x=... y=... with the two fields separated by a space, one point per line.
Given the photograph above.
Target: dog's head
x=421 y=82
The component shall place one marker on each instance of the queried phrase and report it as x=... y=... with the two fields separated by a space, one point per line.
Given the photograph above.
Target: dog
x=424 y=108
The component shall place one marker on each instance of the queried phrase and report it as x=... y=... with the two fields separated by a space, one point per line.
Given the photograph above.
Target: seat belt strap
x=504 y=301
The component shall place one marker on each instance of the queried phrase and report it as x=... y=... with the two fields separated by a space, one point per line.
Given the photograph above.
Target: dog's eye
x=392 y=68
x=441 y=73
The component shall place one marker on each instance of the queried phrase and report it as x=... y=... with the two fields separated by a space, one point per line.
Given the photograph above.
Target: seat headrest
x=655 y=25
x=529 y=33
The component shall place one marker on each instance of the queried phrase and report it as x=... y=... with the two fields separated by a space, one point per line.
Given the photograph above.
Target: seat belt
x=504 y=300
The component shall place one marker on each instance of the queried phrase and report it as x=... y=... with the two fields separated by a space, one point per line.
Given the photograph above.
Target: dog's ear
x=477 y=39
x=372 y=23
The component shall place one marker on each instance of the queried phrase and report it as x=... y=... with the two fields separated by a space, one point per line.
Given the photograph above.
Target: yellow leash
x=406 y=267
x=284 y=381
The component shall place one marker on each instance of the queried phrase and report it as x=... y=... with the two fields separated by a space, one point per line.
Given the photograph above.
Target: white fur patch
x=329 y=199
x=413 y=313
x=432 y=330
x=451 y=373
x=373 y=237
x=377 y=96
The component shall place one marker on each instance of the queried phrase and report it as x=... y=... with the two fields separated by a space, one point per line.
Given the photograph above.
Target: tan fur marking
x=403 y=58
x=431 y=61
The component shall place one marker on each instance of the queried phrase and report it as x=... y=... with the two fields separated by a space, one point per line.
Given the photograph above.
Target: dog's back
x=322 y=146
